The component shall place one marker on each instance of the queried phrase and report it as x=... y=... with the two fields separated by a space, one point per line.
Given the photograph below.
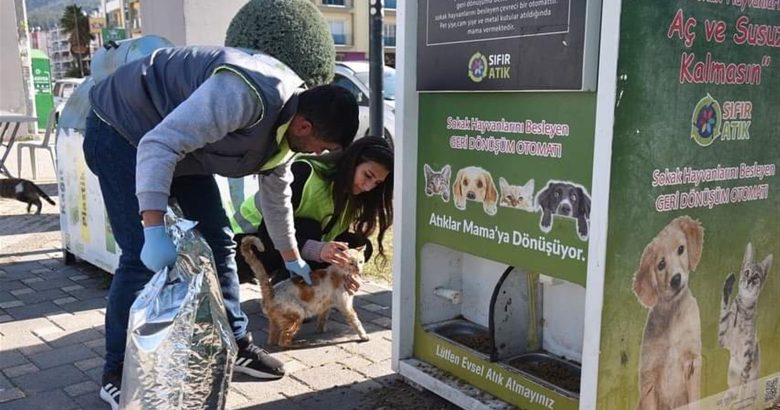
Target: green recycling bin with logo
x=41 y=72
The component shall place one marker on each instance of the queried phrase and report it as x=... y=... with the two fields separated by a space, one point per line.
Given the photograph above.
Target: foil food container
x=180 y=347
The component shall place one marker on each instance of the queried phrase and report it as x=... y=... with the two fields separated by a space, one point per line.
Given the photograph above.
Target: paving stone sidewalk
x=51 y=334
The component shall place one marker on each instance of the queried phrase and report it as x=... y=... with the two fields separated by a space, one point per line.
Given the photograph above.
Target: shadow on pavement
x=29 y=223
x=385 y=393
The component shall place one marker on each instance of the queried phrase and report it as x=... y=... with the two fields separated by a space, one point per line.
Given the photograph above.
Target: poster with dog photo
x=507 y=176
x=690 y=317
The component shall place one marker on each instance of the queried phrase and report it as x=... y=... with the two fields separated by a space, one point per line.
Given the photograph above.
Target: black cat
x=25 y=191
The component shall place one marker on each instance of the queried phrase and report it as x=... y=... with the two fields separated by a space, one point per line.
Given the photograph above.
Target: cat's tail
x=43 y=194
x=266 y=290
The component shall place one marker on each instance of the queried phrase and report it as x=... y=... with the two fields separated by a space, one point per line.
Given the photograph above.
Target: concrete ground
x=51 y=332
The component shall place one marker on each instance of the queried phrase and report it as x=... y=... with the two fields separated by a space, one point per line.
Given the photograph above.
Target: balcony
x=336 y=3
x=342 y=39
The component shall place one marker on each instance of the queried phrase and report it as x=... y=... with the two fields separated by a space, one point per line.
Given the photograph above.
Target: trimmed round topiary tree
x=292 y=31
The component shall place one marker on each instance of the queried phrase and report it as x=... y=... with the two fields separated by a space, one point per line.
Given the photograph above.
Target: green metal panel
x=44 y=101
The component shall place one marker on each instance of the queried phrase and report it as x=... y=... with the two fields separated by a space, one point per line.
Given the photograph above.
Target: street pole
x=105 y=21
x=376 y=57
x=125 y=14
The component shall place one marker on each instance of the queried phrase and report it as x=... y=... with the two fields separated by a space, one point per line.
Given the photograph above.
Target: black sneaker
x=256 y=362
x=111 y=387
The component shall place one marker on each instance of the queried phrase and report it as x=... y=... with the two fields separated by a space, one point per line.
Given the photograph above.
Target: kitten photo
x=437 y=183
x=738 y=331
x=289 y=302
x=25 y=191
x=517 y=196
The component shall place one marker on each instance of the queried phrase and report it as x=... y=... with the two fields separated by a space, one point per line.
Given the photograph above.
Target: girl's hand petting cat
x=352 y=284
x=335 y=253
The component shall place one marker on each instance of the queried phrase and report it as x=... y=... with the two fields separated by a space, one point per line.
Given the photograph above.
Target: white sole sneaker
x=258 y=374
x=108 y=398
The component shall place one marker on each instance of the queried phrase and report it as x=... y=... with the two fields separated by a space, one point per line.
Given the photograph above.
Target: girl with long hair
x=339 y=200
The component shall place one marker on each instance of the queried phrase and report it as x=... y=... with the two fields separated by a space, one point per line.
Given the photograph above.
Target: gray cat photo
x=437 y=183
x=737 y=330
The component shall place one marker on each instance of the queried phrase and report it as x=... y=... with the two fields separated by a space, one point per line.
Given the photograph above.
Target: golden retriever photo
x=670 y=358
x=475 y=184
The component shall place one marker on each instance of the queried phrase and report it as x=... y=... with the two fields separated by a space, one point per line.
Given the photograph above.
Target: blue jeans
x=111 y=157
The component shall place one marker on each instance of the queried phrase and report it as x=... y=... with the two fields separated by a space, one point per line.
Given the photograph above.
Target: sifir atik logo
x=729 y=122
x=491 y=67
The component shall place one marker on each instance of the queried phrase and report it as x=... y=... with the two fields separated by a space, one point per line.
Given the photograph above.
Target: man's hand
x=335 y=253
x=158 y=250
x=153 y=218
x=301 y=268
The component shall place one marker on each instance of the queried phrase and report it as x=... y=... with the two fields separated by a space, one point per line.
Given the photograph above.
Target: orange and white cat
x=289 y=302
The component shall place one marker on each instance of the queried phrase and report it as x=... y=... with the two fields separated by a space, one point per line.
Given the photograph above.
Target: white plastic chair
x=47 y=143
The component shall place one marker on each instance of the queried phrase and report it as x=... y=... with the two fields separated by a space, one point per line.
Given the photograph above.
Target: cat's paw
x=728 y=287
x=363 y=338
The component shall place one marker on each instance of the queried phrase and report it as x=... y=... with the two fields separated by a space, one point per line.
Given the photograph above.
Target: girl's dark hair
x=369 y=209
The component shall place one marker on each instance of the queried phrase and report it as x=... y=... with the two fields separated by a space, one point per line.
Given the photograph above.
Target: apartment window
x=334 y=2
x=339 y=32
x=388 y=32
x=390 y=4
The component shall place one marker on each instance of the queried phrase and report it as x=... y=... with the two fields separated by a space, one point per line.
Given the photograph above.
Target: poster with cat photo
x=690 y=317
x=508 y=174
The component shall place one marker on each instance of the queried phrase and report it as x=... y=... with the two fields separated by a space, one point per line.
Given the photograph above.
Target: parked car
x=63 y=88
x=353 y=75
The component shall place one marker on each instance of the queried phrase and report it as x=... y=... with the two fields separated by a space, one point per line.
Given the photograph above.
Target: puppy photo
x=475 y=184
x=670 y=356
x=567 y=200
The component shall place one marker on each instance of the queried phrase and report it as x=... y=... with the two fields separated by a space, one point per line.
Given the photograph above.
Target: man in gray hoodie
x=160 y=127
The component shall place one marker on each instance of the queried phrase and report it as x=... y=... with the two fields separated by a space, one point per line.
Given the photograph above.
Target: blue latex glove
x=301 y=268
x=158 y=251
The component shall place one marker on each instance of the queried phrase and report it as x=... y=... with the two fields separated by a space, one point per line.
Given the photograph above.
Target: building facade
x=349 y=25
x=204 y=22
x=115 y=18
x=60 y=58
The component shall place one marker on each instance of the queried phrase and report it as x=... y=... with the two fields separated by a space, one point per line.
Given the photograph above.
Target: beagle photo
x=567 y=200
x=475 y=184
x=670 y=356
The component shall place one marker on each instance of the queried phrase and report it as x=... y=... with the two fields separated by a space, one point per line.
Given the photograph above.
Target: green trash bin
x=41 y=74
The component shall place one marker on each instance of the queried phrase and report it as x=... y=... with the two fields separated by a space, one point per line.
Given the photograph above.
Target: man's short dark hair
x=333 y=112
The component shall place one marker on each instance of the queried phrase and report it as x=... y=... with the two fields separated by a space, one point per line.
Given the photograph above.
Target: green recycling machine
x=589 y=208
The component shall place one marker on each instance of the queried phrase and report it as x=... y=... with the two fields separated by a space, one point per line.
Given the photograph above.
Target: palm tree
x=76 y=24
